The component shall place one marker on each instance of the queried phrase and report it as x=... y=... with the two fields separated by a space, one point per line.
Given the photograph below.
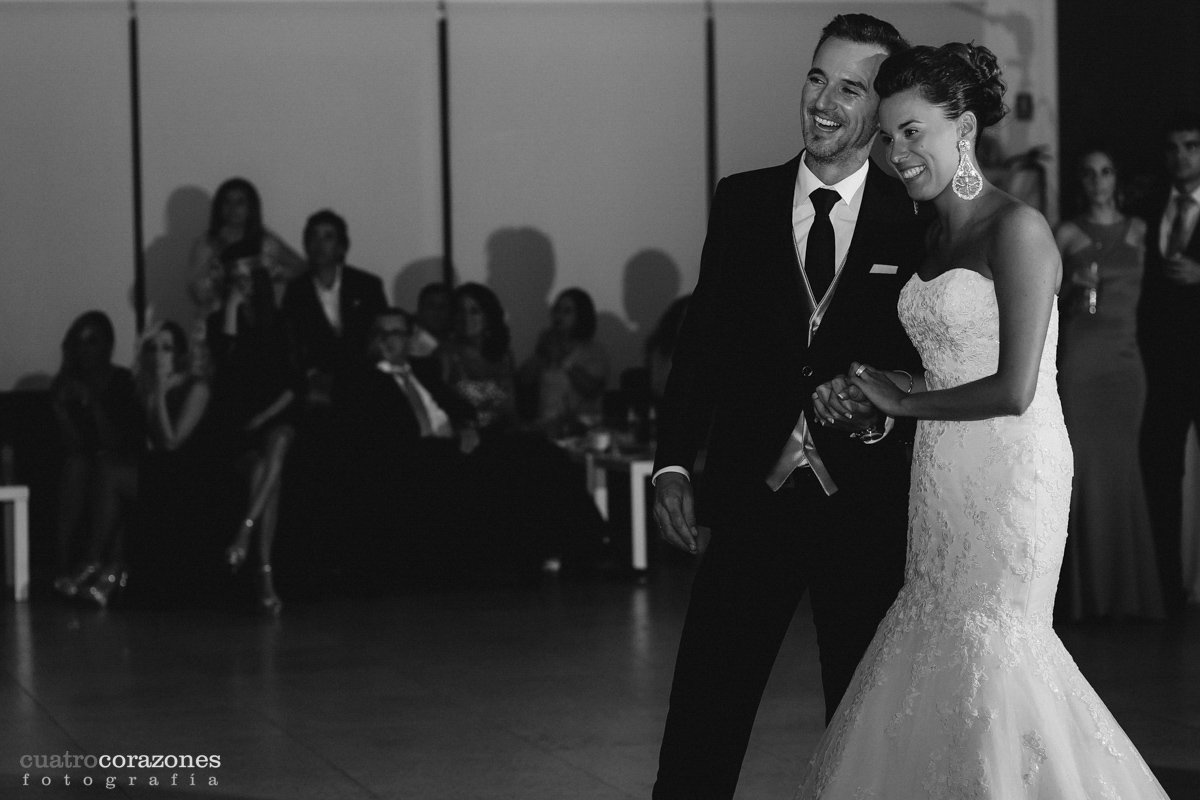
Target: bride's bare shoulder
x=1009 y=218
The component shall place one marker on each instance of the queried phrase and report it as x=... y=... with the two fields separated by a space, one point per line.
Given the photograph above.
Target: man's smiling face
x=840 y=103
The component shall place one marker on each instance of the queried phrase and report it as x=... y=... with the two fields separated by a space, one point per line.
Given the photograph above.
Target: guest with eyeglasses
x=410 y=434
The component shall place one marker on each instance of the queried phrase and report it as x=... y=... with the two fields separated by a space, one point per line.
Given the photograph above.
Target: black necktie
x=818 y=254
x=1177 y=242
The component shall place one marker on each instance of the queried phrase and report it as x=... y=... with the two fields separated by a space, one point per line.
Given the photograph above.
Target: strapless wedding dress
x=966 y=692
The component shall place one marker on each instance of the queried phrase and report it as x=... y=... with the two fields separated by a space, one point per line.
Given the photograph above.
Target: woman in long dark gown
x=1110 y=568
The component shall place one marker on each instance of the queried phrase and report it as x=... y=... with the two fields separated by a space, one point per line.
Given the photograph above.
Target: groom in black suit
x=800 y=273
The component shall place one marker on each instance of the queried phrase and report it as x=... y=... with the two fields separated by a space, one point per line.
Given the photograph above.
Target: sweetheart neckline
x=917 y=275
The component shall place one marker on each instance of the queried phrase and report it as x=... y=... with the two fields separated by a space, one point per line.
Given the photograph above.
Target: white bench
x=16 y=540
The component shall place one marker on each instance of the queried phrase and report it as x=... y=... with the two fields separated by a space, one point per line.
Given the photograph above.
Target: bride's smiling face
x=921 y=144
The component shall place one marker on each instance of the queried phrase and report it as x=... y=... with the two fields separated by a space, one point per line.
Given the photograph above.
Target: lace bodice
x=954 y=323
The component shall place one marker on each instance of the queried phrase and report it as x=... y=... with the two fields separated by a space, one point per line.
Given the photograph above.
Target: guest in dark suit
x=1168 y=329
x=330 y=309
x=800 y=272
x=410 y=434
x=406 y=402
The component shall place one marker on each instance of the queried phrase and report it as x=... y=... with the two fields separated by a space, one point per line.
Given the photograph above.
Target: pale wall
x=577 y=135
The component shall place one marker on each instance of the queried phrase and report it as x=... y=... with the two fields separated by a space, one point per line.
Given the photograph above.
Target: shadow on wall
x=168 y=257
x=650 y=281
x=413 y=277
x=520 y=270
x=33 y=382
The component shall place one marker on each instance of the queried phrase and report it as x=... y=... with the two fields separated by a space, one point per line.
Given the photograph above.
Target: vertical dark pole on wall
x=710 y=86
x=139 y=259
x=444 y=113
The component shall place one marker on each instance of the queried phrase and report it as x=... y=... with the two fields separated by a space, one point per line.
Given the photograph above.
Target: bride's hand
x=841 y=405
x=878 y=387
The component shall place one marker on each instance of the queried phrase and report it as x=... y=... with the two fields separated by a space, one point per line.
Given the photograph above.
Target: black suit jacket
x=743 y=370
x=383 y=422
x=1168 y=314
x=318 y=346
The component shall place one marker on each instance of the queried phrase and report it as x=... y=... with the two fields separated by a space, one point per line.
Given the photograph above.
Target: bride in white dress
x=966 y=691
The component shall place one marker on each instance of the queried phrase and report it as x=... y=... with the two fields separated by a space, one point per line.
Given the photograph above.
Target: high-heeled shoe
x=107 y=585
x=69 y=585
x=235 y=554
x=269 y=603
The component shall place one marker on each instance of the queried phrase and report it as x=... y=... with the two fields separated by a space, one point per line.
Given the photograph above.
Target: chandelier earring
x=967 y=183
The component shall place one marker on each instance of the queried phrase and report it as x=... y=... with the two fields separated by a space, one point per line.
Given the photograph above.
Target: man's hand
x=842 y=405
x=674 y=511
x=1182 y=271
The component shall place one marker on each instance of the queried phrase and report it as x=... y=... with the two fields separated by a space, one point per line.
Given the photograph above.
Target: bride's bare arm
x=1026 y=269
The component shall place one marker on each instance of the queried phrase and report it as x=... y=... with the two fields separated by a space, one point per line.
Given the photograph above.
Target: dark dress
x=251 y=369
x=183 y=524
x=1110 y=566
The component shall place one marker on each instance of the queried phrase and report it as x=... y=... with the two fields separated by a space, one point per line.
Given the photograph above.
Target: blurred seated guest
x=407 y=402
x=435 y=319
x=568 y=368
x=476 y=359
x=173 y=395
x=176 y=486
x=1110 y=568
x=100 y=427
x=531 y=483
x=660 y=345
x=254 y=396
x=410 y=434
x=330 y=308
x=236 y=232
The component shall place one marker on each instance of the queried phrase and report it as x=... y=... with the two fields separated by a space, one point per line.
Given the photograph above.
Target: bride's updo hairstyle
x=956 y=77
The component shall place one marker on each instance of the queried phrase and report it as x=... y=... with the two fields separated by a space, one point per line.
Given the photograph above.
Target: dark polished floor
x=536 y=693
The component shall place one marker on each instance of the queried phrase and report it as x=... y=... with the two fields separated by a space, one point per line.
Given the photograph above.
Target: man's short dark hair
x=329 y=217
x=864 y=29
x=430 y=289
x=1182 y=122
x=395 y=311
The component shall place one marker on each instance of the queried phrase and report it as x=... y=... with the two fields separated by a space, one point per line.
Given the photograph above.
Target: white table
x=639 y=467
x=16 y=540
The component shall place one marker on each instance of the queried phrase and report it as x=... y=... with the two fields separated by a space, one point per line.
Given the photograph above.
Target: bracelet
x=910 y=380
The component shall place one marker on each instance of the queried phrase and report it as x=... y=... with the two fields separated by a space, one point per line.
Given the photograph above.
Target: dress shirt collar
x=335 y=287
x=849 y=188
x=394 y=369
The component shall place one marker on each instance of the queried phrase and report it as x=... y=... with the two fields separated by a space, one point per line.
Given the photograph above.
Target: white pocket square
x=884 y=269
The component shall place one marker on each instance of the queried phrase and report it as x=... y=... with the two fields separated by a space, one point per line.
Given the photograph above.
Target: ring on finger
x=861 y=369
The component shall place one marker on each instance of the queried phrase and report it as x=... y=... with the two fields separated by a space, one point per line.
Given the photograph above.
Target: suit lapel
x=346 y=296
x=780 y=197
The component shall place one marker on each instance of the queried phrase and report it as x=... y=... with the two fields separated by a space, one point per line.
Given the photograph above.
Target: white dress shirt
x=331 y=299
x=439 y=420
x=1168 y=220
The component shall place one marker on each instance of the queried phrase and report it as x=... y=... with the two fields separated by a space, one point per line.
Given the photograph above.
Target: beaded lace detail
x=966 y=692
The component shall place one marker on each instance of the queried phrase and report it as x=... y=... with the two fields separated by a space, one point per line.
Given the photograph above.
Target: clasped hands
x=857 y=401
